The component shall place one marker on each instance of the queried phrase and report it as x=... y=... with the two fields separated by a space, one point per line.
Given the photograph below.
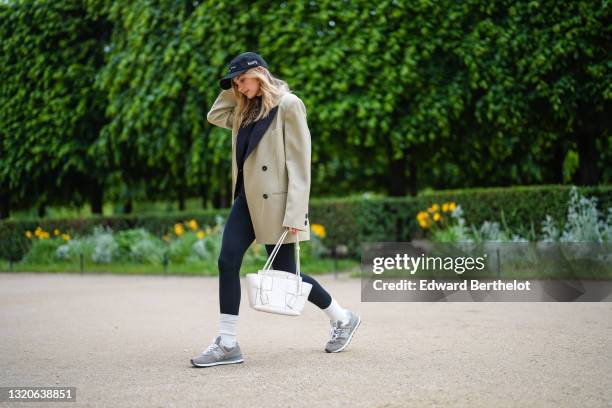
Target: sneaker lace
x=337 y=330
x=213 y=348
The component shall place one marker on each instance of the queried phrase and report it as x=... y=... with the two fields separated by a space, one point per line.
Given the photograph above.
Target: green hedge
x=353 y=220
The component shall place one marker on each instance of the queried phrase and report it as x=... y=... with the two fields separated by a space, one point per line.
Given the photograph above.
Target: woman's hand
x=293 y=230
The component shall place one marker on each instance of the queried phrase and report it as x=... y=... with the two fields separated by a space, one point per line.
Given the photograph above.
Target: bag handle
x=277 y=248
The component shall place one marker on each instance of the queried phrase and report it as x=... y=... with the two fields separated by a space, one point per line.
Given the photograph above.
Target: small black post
x=165 y=262
x=335 y=253
x=81 y=263
x=498 y=264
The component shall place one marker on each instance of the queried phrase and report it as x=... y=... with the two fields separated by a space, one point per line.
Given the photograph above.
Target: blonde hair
x=271 y=89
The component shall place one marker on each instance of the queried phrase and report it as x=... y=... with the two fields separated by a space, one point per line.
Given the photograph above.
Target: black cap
x=240 y=64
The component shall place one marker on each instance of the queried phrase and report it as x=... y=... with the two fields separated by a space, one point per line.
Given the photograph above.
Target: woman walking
x=270 y=188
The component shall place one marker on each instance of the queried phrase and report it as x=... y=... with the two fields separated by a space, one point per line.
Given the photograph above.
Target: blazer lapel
x=259 y=130
x=241 y=140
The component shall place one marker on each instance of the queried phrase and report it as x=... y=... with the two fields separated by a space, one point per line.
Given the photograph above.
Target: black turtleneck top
x=242 y=145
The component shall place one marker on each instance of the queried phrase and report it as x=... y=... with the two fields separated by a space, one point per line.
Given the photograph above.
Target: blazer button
x=306 y=215
x=265 y=196
x=264 y=168
x=305 y=222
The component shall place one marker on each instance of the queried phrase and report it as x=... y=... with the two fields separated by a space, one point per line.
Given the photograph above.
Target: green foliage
x=139 y=245
x=584 y=222
x=14 y=243
x=103 y=96
x=43 y=251
x=50 y=112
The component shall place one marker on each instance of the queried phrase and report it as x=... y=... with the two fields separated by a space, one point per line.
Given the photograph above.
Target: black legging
x=238 y=235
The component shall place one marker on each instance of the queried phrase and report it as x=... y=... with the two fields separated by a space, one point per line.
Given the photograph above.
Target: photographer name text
x=433 y=285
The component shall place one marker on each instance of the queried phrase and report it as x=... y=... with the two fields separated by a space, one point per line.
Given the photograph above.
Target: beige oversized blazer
x=276 y=169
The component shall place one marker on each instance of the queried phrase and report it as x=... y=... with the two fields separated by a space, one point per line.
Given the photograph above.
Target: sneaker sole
x=217 y=363
x=348 y=340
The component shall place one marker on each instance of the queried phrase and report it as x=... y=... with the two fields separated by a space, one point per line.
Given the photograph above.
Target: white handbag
x=276 y=291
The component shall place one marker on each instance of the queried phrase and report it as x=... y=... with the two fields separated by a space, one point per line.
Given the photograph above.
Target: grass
x=577 y=270
x=197 y=268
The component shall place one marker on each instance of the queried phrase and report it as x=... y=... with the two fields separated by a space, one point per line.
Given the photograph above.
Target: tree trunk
x=42 y=211
x=224 y=194
x=412 y=164
x=128 y=206
x=203 y=196
x=181 y=198
x=97 y=198
x=557 y=164
x=397 y=180
x=587 y=156
x=217 y=199
x=5 y=205
x=591 y=124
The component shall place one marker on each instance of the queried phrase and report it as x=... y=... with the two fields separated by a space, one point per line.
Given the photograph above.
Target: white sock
x=336 y=312
x=227 y=329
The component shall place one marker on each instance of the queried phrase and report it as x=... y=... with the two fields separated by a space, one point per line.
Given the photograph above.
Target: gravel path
x=127 y=341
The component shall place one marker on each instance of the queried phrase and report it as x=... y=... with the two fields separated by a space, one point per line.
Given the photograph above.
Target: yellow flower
x=44 y=235
x=28 y=234
x=445 y=207
x=434 y=208
x=193 y=224
x=178 y=229
x=66 y=237
x=424 y=224
x=38 y=231
x=166 y=238
x=436 y=217
x=56 y=232
x=452 y=206
x=200 y=234
x=422 y=216
x=318 y=230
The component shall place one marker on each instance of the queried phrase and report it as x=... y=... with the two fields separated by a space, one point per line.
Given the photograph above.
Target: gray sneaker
x=341 y=335
x=217 y=354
